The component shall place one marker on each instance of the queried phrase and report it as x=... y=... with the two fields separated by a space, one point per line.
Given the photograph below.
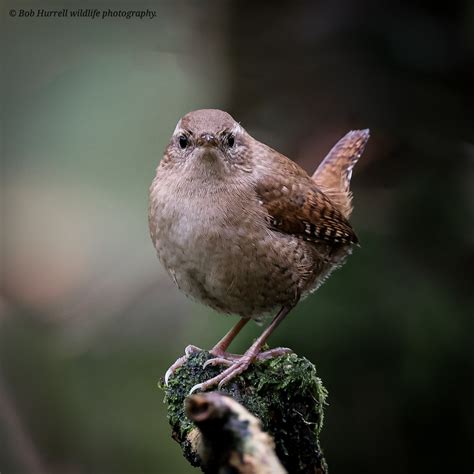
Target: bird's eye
x=183 y=141
x=230 y=140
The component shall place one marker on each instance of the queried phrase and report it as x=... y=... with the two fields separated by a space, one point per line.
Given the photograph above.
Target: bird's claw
x=181 y=361
x=222 y=358
x=272 y=353
x=237 y=364
x=195 y=388
x=236 y=368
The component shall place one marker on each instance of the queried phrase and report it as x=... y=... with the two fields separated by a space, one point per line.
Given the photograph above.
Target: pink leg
x=218 y=350
x=241 y=364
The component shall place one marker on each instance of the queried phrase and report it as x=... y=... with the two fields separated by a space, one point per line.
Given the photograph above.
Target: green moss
x=285 y=393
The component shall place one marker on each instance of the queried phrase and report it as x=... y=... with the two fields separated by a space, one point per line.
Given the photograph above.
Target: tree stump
x=284 y=393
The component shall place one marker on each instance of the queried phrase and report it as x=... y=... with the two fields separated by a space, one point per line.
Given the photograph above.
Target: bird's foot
x=181 y=361
x=237 y=364
x=272 y=353
x=220 y=355
x=221 y=358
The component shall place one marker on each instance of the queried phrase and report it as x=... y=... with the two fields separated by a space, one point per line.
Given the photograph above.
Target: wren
x=245 y=230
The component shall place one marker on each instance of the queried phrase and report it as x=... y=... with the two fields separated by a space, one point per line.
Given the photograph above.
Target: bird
x=245 y=230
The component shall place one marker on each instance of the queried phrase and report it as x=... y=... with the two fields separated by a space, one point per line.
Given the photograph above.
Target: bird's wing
x=296 y=206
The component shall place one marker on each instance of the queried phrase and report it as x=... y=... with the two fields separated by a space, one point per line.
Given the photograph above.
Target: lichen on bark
x=285 y=393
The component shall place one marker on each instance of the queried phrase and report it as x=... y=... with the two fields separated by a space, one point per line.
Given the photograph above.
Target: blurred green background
x=89 y=321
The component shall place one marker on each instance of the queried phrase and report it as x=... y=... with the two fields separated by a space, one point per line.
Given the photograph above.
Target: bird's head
x=209 y=144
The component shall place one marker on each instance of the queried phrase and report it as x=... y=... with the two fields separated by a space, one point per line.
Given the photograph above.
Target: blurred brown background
x=89 y=322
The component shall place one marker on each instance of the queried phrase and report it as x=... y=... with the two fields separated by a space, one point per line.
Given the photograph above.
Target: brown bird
x=245 y=230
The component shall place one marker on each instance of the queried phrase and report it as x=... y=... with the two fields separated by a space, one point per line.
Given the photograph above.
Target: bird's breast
x=224 y=255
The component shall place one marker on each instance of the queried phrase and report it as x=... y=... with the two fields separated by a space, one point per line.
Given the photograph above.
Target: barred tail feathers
x=334 y=173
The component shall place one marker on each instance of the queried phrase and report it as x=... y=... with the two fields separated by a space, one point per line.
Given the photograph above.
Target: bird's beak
x=207 y=140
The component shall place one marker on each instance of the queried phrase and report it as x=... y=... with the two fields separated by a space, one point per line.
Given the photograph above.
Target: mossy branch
x=284 y=393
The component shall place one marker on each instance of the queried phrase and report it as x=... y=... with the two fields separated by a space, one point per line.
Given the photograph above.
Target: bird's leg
x=219 y=350
x=221 y=357
x=253 y=353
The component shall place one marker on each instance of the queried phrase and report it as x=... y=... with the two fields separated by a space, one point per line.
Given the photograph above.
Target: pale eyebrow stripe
x=237 y=128
x=182 y=131
x=178 y=128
